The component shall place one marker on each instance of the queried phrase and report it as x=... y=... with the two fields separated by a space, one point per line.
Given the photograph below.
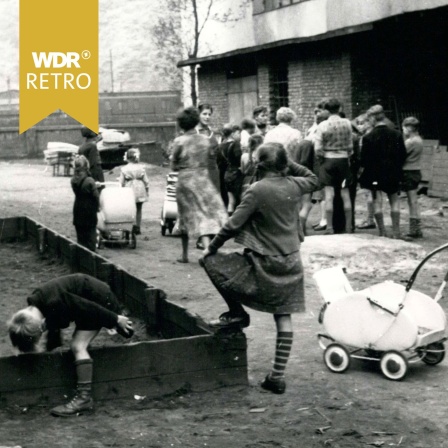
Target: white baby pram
x=169 y=209
x=387 y=322
x=116 y=218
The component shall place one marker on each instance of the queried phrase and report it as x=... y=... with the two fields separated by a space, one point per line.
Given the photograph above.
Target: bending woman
x=200 y=206
x=268 y=276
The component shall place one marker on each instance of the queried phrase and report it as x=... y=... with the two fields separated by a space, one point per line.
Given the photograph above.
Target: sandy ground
x=320 y=408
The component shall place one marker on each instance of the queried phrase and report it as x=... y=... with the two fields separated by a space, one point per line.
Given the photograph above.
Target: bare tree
x=177 y=34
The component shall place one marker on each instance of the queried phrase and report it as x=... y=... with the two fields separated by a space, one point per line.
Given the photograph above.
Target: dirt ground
x=319 y=409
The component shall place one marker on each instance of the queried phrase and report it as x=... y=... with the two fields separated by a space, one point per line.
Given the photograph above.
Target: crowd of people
x=366 y=157
x=250 y=181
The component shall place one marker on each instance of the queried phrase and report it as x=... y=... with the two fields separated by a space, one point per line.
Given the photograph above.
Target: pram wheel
x=433 y=354
x=394 y=365
x=337 y=358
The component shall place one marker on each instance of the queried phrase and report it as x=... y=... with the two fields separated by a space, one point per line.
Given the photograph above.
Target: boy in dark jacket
x=383 y=155
x=78 y=298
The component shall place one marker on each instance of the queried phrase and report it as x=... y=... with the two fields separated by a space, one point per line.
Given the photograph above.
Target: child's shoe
x=228 y=319
x=81 y=403
x=277 y=386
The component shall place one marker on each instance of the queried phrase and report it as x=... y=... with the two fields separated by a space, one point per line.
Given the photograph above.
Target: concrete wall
x=303 y=20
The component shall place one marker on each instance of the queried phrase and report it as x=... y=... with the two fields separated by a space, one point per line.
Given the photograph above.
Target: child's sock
x=282 y=351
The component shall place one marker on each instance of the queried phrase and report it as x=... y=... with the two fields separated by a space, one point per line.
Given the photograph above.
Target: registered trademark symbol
x=85 y=54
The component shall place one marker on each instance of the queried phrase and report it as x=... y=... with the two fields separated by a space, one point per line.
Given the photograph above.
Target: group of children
x=264 y=188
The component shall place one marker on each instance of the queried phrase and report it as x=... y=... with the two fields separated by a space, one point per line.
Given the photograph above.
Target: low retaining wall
x=189 y=357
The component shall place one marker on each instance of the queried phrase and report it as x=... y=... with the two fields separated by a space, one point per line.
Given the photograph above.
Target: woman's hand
x=125 y=324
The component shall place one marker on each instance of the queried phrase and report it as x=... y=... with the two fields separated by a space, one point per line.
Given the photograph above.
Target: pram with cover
x=116 y=218
x=387 y=322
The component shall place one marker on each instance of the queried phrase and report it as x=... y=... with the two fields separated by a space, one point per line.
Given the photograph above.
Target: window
x=260 y=6
x=278 y=88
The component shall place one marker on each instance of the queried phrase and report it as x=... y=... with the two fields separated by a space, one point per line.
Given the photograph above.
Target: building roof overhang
x=300 y=40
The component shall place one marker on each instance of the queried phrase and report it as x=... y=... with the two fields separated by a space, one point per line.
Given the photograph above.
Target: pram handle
x=417 y=269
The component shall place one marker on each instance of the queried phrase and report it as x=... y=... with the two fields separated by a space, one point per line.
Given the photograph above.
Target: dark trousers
x=86 y=237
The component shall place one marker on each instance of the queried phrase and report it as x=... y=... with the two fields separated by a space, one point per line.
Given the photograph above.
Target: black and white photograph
x=249 y=249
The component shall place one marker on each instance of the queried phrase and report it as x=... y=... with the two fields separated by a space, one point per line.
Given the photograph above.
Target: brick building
x=297 y=52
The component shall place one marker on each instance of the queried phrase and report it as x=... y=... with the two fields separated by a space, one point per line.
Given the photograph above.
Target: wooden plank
x=73 y=258
x=31 y=229
x=104 y=270
x=41 y=239
x=10 y=229
x=53 y=243
x=177 y=319
x=141 y=359
x=152 y=316
x=65 y=249
x=86 y=261
x=134 y=295
x=117 y=285
x=147 y=365
x=149 y=387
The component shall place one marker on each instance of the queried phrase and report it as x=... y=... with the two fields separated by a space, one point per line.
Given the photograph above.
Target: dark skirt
x=273 y=284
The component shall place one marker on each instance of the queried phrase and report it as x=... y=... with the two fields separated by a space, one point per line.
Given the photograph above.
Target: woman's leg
x=184 y=256
x=275 y=381
x=138 y=220
x=82 y=401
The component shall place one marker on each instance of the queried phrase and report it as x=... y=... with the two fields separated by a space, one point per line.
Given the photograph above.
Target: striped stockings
x=282 y=351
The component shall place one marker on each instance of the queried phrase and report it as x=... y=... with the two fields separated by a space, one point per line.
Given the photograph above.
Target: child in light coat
x=134 y=175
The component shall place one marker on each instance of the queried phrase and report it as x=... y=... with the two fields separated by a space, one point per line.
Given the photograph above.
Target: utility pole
x=111 y=72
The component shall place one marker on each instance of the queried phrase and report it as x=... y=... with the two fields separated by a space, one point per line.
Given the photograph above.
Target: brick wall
x=366 y=85
x=438 y=185
x=314 y=75
x=213 y=90
x=315 y=72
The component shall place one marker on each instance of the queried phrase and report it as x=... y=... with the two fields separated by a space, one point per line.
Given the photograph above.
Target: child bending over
x=78 y=298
